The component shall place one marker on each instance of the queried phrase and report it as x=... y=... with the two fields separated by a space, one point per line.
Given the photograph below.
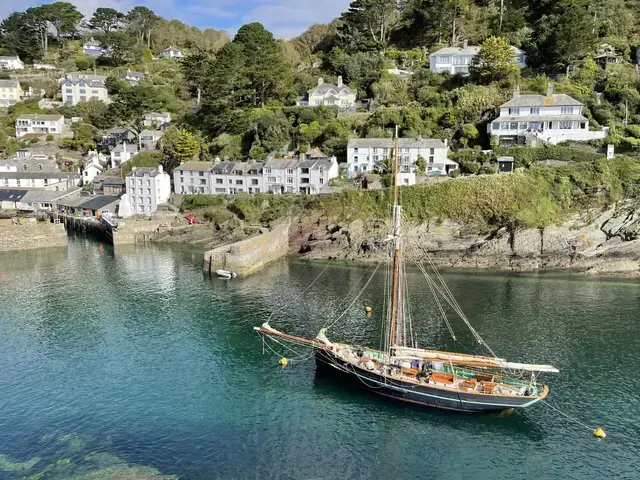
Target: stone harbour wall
x=136 y=231
x=31 y=235
x=247 y=256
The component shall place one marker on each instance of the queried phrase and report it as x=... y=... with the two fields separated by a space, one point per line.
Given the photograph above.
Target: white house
x=551 y=118
x=93 y=165
x=363 y=154
x=149 y=139
x=171 y=52
x=39 y=124
x=11 y=63
x=132 y=78
x=47 y=180
x=193 y=177
x=237 y=177
x=92 y=48
x=147 y=188
x=10 y=93
x=123 y=153
x=459 y=59
x=25 y=161
x=328 y=94
x=159 y=121
x=78 y=88
x=43 y=66
x=293 y=176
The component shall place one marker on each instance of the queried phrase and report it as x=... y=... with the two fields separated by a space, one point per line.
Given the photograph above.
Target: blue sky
x=285 y=18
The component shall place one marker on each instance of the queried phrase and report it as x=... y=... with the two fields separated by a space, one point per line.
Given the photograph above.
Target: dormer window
x=39 y=166
x=24 y=166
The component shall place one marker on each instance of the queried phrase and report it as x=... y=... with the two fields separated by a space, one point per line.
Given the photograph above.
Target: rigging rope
x=304 y=291
x=356 y=298
x=568 y=416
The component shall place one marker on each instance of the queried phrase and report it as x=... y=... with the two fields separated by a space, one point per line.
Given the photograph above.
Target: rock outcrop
x=592 y=242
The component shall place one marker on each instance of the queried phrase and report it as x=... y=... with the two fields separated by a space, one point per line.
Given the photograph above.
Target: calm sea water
x=134 y=363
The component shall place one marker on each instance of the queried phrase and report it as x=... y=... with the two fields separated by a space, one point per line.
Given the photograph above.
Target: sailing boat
x=401 y=371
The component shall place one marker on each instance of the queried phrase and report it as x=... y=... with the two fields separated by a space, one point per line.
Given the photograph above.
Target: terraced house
x=78 y=87
x=10 y=93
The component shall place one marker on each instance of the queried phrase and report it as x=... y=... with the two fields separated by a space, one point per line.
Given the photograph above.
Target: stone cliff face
x=592 y=242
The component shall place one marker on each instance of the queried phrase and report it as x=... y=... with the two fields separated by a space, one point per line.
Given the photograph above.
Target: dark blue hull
x=426 y=395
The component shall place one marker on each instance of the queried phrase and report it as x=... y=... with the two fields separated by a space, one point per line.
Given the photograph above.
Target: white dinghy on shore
x=226 y=274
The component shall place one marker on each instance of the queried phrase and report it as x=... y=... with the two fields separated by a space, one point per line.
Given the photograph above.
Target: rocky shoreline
x=593 y=242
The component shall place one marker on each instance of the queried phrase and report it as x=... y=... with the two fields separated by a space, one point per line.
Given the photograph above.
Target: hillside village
x=142 y=111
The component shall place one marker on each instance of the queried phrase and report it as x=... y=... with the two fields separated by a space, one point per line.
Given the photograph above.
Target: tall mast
x=396 y=308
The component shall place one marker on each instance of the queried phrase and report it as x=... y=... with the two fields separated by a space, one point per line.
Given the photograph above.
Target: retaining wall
x=247 y=256
x=32 y=235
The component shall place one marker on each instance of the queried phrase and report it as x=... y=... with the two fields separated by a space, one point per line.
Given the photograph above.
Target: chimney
x=446 y=142
x=159 y=168
x=320 y=81
x=339 y=81
x=516 y=92
x=465 y=44
x=549 y=89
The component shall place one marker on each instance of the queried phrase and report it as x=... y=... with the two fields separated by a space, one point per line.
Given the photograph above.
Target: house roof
x=281 y=163
x=9 y=58
x=113 y=181
x=194 y=167
x=325 y=87
x=468 y=50
x=170 y=49
x=131 y=147
x=557 y=99
x=156 y=133
x=9 y=84
x=72 y=201
x=91 y=80
x=98 y=202
x=157 y=114
x=12 y=195
x=506 y=159
x=137 y=75
x=118 y=131
x=143 y=171
x=402 y=143
x=37 y=116
x=539 y=118
x=37 y=175
x=224 y=168
x=35 y=196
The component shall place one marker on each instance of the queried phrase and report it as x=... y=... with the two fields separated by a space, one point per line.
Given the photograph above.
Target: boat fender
x=368 y=309
x=284 y=361
x=599 y=432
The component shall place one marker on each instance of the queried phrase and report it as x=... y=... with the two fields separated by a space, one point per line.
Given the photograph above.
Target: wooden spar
x=270 y=331
x=396 y=251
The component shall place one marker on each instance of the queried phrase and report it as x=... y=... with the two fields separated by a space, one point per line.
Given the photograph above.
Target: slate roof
x=115 y=182
x=98 y=202
x=91 y=80
x=39 y=196
x=155 y=133
x=131 y=147
x=402 y=143
x=539 y=118
x=12 y=195
x=142 y=171
x=195 y=167
x=37 y=116
x=29 y=175
x=557 y=99
x=468 y=50
x=281 y=163
x=9 y=83
x=224 y=168
x=134 y=75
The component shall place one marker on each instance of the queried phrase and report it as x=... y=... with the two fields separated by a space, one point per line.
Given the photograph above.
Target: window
x=430 y=159
x=82 y=91
x=566 y=110
x=375 y=150
x=148 y=191
x=504 y=126
x=271 y=179
x=444 y=59
x=219 y=181
x=534 y=110
x=304 y=171
x=355 y=159
x=514 y=111
x=322 y=181
x=230 y=182
x=254 y=181
x=432 y=151
x=406 y=150
x=523 y=125
x=289 y=171
x=289 y=179
x=496 y=126
x=83 y=98
x=513 y=125
x=566 y=124
x=203 y=181
x=355 y=150
x=304 y=180
x=534 y=125
x=148 y=183
x=375 y=158
x=139 y=199
x=385 y=151
x=267 y=170
x=94 y=92
x=202 y=174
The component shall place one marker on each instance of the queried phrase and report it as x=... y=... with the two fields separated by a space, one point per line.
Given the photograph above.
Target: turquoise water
x=134 y=363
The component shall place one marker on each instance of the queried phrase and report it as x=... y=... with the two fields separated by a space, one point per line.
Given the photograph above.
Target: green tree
x=196 y=69
x=131 y=105
x=120 y=47
x=179 y=146
x=86 y=135
x=265 y=68
x=421 y=166
x=140 y=20
x=18 y=36
x=106 y=19
x=494 y=62
x=63 y=17
x=228 y=84
x=142 y=159
x=370 y=23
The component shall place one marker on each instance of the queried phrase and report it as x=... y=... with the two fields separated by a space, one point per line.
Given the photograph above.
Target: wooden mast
x=396 y=249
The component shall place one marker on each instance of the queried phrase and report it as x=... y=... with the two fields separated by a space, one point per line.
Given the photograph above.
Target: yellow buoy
x=600 y=433
x=368 y=309
x=284 y=361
